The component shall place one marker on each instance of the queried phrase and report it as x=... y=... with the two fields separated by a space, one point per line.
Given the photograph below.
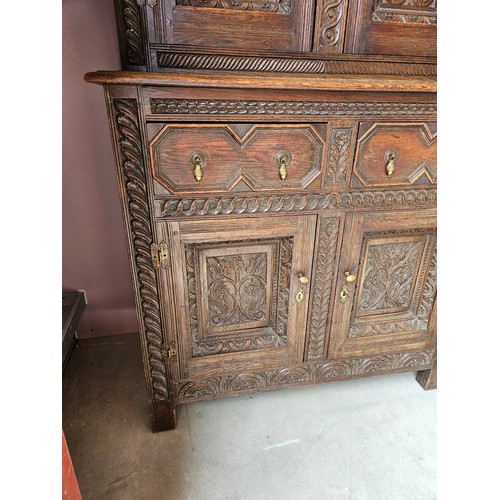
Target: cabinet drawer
x=237 y=157
x=395 y=154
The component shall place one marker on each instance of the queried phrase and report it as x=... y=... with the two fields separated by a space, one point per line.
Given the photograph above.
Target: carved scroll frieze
x=405 y=11
x=306 y=374
x=176 y=207
x=130 y=154
x=275 y=6
x=286 y=108
x=323 y=281
x=338 y=155
x=237 y=295
x=289 y=65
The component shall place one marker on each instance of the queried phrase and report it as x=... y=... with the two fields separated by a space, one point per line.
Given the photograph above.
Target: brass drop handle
x=303 y=279
x=283 y=159
x=350 y=277
x=197 y=161
x=391 y=160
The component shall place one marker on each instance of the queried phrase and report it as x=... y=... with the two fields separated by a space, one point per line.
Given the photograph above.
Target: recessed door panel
x=386 y=288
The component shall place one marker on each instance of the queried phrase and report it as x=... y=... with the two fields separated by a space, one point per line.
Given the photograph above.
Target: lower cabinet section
x=270 y=301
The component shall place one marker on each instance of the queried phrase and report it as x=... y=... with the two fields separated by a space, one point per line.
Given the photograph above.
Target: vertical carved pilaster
x=323 y=280
x=130 y=157
x=329 y=31
x=340 y=142
x=131 y=33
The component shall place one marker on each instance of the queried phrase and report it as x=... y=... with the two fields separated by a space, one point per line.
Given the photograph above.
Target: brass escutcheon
x=300 y=296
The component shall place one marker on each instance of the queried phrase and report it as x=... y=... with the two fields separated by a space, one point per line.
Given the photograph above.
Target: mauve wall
x=94 y=247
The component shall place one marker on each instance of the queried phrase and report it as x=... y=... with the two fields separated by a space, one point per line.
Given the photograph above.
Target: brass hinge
x=169 y=351
x=160 y=254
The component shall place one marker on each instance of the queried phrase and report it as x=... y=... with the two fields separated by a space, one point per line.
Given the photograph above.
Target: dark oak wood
x=278 y=180
x=226 y=312
x=277 y=35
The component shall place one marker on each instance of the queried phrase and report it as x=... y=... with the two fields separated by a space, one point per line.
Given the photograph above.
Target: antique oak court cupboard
x=276 y=163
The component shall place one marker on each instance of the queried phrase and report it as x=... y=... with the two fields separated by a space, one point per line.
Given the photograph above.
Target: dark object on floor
x=73 y=304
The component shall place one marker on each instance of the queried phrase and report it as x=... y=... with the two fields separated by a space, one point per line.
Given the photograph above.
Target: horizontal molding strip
x=293 y=202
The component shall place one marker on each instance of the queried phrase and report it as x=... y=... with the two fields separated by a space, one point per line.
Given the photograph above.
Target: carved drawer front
x=239 y=301
x=260 y=25
x=400 y=27
x=385 y=302
x=395 y=154
x=231 y=157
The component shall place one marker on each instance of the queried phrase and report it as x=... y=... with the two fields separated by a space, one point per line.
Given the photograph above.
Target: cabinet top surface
x=212 y=79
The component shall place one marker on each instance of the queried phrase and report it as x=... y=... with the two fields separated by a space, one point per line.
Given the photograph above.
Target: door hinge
x=169 y=351
x=160 y=254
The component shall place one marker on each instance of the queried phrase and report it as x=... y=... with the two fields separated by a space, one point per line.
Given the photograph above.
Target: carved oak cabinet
x=281 y=227
x=276 y=164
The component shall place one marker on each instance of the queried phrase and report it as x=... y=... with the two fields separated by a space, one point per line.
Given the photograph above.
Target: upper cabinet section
x=291 y=36
x=402 y=27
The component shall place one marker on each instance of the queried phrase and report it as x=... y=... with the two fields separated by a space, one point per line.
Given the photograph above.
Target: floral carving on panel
x=405 y=11
x=390 y=273
x=237 y=288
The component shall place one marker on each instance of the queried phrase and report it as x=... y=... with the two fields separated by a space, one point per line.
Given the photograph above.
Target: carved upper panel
x=276 y=6
x=405 y=11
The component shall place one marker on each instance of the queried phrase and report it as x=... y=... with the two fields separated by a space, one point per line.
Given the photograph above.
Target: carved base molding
x=294 y=202
x=195 y=390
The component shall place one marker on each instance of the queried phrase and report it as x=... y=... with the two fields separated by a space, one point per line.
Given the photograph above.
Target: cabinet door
x=238 y=299
x=399 y=27
x=386 y=304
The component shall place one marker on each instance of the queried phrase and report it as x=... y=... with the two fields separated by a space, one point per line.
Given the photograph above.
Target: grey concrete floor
x=365 y=439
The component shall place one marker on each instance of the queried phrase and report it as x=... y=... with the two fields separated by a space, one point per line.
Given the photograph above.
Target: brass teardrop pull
x=350 y=277
x=390 y=158
x=283 y=159
x=197 y=161
x=303 y=279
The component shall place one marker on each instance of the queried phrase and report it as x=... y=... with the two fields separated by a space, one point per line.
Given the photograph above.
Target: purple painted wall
x=94 y=247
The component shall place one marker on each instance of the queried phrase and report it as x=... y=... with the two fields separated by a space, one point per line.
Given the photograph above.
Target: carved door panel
x=386 y=304
x=237 y=296
x=400 y=27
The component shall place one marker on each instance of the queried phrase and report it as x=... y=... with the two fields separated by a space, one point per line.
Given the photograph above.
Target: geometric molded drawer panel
x=395 y=154
x=237 y=157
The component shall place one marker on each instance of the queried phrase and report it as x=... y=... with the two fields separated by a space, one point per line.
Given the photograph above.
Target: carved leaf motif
x=329 y=229
x=131 y=158
x=237 y=294
x=236 y=288
x=307 y=374
x=390 y=272
x=339 y=151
